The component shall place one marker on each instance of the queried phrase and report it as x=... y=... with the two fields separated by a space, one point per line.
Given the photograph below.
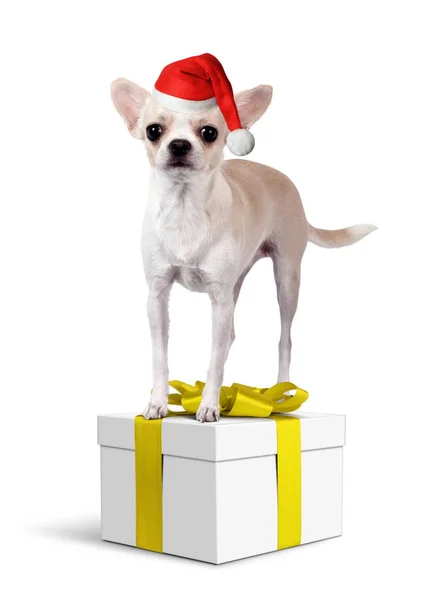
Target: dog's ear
x=129 y=100
x=252 y=104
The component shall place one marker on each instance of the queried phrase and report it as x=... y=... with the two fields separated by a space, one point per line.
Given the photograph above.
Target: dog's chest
x=183 y=230
x=184 y=249
x=184 y=241
x=182 y=245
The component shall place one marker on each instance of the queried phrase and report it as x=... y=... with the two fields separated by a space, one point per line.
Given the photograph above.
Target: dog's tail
x=337 y=238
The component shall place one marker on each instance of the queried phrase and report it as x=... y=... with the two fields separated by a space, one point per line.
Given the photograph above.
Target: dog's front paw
x=207 y=413
x=155 y=410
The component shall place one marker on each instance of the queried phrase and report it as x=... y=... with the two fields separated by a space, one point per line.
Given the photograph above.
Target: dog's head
x=178 y=142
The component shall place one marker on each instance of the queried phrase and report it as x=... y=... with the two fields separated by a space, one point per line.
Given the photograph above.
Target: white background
x=346 y=124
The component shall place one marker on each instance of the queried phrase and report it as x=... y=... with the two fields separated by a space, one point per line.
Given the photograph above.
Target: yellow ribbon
x=236 y=401
x=148 y=483
x=289 y=491
x=241 y=400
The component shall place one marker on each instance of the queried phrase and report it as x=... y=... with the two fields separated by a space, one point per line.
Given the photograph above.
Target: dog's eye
x=209 y=134
x=154 y=132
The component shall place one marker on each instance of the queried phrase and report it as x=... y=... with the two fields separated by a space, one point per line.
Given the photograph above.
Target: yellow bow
x=241 y=400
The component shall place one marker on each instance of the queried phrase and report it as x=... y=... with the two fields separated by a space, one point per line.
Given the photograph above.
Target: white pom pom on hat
x=240 y=142
x=198 y=83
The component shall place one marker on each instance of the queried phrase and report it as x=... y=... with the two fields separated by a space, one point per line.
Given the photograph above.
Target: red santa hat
x=198 y=83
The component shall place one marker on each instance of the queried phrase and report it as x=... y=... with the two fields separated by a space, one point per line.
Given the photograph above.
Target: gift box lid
x=229 y=439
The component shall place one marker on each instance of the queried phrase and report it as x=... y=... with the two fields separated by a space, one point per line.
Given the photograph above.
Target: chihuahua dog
x=208 y=221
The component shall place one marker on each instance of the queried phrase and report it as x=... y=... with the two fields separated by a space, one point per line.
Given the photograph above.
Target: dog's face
x=182 y=143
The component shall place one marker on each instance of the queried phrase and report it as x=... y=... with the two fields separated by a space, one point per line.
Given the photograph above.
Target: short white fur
x=206 y=224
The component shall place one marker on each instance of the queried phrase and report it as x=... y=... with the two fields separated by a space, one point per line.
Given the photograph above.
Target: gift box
x=223 y=491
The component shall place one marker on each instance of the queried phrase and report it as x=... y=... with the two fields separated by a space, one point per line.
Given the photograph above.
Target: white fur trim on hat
x=240 y=142
x=180 y=104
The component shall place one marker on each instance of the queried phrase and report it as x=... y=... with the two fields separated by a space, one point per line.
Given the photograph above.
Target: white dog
x=208 y=221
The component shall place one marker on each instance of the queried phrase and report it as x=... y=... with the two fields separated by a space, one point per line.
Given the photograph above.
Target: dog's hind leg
x=287 y=279
x=236 y=293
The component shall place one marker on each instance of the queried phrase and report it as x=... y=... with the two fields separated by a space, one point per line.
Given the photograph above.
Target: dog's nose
x=180 y=147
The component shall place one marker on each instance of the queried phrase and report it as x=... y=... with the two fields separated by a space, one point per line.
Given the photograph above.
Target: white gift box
x=225 y=473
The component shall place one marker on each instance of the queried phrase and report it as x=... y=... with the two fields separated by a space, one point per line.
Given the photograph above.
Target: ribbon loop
x=241 y=400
